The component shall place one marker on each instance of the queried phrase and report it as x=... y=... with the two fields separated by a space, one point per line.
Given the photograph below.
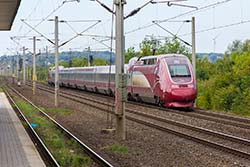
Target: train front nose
x=182 y=93
x=180 y=98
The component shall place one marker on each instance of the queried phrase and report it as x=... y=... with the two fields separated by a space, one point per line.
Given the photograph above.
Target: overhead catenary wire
x=32 y=11
x=195 y=10
x=44 y=19
x=218 y=27
x=172 y=34
x=103 y=44
x=71 y=27
x=77 y=21
x=80 y=33
x=180 y=15
x=34 y=29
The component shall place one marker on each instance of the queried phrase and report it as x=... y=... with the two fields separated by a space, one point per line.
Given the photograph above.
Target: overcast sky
x=136 y=27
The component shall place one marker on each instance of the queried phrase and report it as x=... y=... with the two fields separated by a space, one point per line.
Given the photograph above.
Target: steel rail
x=223 y=116
x=209 y=116
x=192 y=138
x=41 y=147
x=178 y=124
x=101 y=161
x=194 y=128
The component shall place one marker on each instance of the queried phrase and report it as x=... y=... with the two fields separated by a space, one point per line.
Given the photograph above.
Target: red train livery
x=166 y=80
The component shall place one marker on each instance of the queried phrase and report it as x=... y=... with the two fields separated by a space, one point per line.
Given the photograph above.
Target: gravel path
x=147 y=147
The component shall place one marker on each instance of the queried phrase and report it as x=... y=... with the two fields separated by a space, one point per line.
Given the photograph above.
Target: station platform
x=16 y=147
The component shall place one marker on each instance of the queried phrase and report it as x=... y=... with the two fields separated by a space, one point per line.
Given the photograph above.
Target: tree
x=99 y=62
x=238 y=47
x=153 y=46
x=130 y=52
x=172 y=45
x=235 y=47
x=79 y=62
x=227 y=84
x=149 y=46
x=246 y=46
x=204 y=68
x=64 y=63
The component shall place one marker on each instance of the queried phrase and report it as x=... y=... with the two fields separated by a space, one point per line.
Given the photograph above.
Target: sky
x=216 y=26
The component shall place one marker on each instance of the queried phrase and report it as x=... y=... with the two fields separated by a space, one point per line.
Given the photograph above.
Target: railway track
x=228 y=143
x=95 y=157
x=46 y=155
x=198 y=113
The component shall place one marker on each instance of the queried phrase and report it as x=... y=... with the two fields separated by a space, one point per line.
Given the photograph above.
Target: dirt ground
x=147 y=147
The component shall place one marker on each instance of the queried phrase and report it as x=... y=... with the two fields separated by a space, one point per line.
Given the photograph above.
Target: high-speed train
x=166 y=80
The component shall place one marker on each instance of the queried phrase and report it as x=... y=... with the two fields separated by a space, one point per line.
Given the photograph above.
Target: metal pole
x=17 y=65
x=24 y=66
x=193 y=50
x=56 y=63
x=70 y=57
x=34 y=78
x=88 y=56
x=120 y=79
x=193 y=47
x=46 y=60
x=13 y=69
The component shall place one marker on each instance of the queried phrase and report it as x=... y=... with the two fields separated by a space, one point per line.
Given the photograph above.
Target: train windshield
x=179 y=70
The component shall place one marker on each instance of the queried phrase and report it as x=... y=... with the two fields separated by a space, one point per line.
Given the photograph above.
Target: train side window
x=149 y=61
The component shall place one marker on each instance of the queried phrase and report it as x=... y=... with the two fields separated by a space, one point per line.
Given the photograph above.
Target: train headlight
x=190 y=85
x=182 y=86
x=174 y=86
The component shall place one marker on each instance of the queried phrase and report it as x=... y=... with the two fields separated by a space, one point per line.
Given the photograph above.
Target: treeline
x=83 y=62
x=152 y=46
x=224 y=85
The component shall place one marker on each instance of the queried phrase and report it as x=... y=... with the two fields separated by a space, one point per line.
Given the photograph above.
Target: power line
x=140 y=28
x=33 y=28
x=219 y=27
x=185 y=42
x=34 y=9
x=79 y=34
x=196 y=10
x=183 y=14
x=44 y=19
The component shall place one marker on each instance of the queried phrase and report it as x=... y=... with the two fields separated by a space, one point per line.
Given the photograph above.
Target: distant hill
x=213 y=57
x=66 y=56
x=63 y=56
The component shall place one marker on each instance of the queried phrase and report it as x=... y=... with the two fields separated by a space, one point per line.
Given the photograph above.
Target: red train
x=166 y=80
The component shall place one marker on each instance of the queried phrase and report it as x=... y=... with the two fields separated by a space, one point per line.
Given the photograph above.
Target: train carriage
x=166 y=80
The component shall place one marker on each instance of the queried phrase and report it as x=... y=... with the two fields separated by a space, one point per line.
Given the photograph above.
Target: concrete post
x=34 y=78
x=56 y=63
x=120 y=78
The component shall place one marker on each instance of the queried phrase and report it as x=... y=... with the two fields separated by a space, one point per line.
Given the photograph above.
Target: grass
x=66 y=151
x=244 y=112
x=117 y=148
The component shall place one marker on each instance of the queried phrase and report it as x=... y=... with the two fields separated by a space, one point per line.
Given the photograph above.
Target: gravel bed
x=147 y=147
x=216 y=126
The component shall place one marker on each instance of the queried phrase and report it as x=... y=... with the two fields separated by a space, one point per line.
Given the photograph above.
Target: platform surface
x=16 y=147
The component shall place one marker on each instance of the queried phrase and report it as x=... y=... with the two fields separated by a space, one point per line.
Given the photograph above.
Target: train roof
x=104 y=69
x=162 y=56
x=97 y=69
